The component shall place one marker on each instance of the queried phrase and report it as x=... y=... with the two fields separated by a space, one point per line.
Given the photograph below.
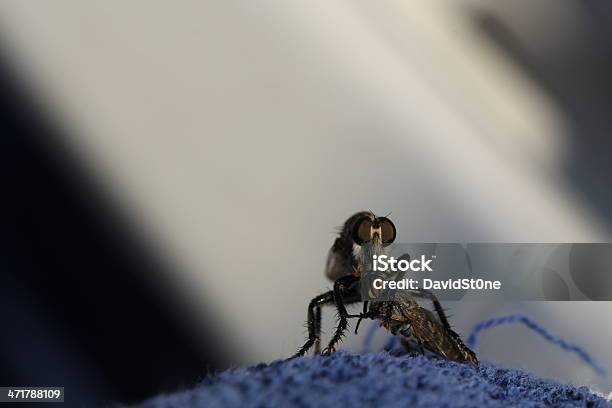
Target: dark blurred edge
x=579 y=82
x=76 y=310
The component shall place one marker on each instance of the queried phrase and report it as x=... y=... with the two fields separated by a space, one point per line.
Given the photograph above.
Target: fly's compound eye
x=387 y=230
x=362 y=231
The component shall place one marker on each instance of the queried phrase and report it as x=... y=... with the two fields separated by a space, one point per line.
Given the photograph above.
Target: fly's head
x=369 y=235
x=362 y=236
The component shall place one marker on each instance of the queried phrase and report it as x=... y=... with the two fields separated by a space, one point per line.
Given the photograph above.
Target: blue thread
x=519 y=318
x=367 y=342
x=393 y=344
x=497 y=321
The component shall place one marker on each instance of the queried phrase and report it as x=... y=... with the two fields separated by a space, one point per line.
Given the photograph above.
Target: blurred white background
x=237 y=135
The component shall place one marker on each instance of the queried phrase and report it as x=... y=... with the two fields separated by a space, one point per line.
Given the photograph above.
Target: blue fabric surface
x=377 y=379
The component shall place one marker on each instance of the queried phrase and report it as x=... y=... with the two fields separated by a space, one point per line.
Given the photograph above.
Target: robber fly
x=363 y=235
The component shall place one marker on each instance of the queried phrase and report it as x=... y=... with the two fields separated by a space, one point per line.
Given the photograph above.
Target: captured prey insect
x=362 y=236
x=419 y=326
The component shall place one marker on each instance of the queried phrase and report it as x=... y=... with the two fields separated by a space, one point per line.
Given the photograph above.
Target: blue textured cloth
x=377 y=379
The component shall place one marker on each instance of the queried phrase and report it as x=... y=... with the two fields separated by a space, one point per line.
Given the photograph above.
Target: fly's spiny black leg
x=364 y=314
x=314 y=327
x=343 y=288
x=441 y=314
x=317 y=320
